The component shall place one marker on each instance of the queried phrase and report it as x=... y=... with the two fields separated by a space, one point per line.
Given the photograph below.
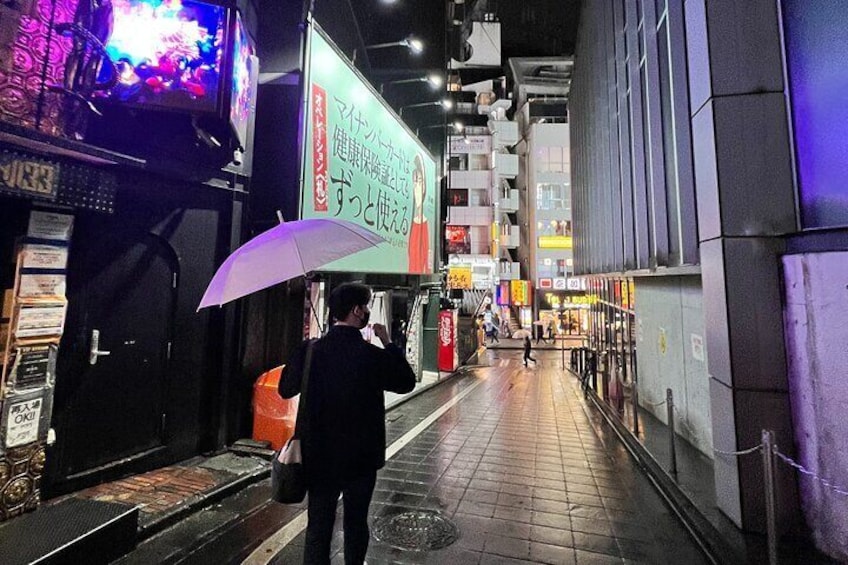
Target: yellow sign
x=459 y=277
x=556 y=242
x=520 y=293
x=663 y=342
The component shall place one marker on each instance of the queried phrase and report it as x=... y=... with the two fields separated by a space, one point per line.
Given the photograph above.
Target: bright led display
x=168 y=53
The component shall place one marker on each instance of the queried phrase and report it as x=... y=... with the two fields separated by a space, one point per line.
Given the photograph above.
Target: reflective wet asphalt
x=522 y=466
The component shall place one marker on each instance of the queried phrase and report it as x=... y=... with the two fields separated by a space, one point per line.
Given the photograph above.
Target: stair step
x=72 y=531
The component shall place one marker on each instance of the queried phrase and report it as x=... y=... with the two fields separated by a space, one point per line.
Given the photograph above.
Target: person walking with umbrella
x=345 y=440
x=528 y=346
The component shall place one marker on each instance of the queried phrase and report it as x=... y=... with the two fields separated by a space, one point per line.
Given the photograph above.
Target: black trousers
x=323 y=500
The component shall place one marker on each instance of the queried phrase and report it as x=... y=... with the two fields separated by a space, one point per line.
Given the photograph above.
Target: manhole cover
x=418 y=530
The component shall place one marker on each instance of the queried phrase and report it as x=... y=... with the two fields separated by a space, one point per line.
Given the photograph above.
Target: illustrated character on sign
x=419 y=233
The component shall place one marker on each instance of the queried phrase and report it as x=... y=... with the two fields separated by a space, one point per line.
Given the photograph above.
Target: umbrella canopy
x=521 y=334
x=284 y=252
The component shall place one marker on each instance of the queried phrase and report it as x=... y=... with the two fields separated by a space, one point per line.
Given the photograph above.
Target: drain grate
x=418 y=530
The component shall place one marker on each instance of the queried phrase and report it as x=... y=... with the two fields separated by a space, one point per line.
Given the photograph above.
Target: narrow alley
x=514 y=459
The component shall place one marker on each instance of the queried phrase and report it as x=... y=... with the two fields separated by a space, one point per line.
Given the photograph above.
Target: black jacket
x=345 y=433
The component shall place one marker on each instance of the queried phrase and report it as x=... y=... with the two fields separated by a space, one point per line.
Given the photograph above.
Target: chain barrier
x=748 y=451
x=739 y=453
x=655 y=404
x=691 y=433
x=800 y=468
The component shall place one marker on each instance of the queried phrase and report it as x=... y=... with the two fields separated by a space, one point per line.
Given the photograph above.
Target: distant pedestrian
x=492 y=333
x=345 y=433
x=540 y=332
x=527 y=348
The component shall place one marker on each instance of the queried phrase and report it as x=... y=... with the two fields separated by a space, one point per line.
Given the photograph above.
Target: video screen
x=241 y=91
x=168 y=53
x=458 y=240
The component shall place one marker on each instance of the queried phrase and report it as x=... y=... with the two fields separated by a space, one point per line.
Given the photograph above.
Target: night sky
x=528 y=28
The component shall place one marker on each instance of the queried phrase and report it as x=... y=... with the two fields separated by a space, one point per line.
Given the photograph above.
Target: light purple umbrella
x=284 y=252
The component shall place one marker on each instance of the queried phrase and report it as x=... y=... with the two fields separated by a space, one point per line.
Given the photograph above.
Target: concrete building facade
x=701 y=180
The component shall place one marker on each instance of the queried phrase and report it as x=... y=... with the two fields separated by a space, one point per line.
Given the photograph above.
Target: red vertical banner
x=319 y=148
x=448 y=354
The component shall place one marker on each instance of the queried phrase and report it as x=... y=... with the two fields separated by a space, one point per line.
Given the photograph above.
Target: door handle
x=95 y=352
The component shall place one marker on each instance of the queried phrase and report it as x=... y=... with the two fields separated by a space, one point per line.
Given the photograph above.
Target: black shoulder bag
x=288 y=481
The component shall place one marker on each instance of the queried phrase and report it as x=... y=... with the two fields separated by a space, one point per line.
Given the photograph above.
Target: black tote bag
x=288 y=481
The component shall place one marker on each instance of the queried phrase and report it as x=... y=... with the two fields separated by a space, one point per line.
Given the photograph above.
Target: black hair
x=346 y=297
x=419 y=168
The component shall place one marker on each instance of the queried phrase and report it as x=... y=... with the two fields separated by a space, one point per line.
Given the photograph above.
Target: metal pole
x=634 y=397
x=562 y=338
x=669 y=405
x=768 y=479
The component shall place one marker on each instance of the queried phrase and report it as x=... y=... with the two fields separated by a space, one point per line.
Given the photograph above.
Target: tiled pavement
x=521 y=470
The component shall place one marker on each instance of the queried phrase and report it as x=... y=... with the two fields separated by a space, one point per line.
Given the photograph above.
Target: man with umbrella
x=345 y=439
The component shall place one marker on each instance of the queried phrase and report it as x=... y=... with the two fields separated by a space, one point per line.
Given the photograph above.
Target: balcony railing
x=470 y=215
x=510 y=237
x=508 y=200
x=505 y=165
x=470 y=179
x=509 y=270
x=504 y=134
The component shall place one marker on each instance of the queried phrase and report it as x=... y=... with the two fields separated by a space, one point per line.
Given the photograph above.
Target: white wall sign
x=33 y=321
x=44 y=257
x=473 y=144
x=22 y=423
x=576 y=284
x=697 y=346
x=50 y=225
x=36 y=286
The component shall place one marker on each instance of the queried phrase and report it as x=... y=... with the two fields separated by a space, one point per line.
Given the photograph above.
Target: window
x=458 y=197
x=552 y=160
x=458 y=163
x=816 y=61
x=548 y=268
x=545 y=269
x=551 y=196
x=561 y=269
x=668 y=134
x=478 y=162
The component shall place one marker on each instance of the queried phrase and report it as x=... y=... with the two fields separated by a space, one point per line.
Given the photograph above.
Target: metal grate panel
x=419 y=530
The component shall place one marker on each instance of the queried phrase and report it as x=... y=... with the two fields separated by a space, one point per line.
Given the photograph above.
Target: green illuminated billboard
x=361 y=164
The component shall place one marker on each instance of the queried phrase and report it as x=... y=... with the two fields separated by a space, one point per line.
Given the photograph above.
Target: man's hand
x=381 y=333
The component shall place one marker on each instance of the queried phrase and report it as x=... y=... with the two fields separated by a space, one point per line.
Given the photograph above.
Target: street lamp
x=415 y=46
x=433 y=79
x=445 y=103
x=457 y=127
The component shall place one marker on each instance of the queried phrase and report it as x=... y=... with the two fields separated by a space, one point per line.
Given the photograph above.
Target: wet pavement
x=519 y=466
x=514 y=458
